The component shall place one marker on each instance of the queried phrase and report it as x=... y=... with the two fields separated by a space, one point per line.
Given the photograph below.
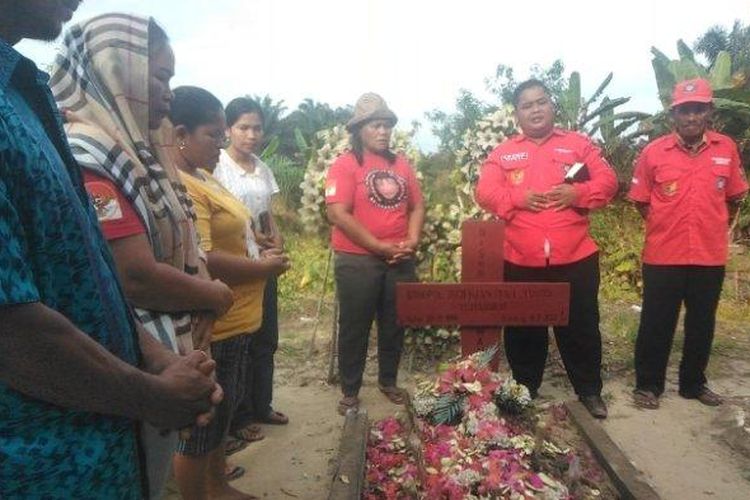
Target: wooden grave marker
x=482 y=303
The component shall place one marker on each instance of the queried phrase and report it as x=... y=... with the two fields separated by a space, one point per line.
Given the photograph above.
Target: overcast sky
x=416 y=53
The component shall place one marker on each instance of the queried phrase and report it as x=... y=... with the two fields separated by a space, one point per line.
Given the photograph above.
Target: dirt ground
x=686 y=450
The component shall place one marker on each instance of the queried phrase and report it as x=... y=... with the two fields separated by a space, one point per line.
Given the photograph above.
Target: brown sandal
x=275 y=418
x=251 y=433
x=395 y=395
x=645 y=399
x=348 y=403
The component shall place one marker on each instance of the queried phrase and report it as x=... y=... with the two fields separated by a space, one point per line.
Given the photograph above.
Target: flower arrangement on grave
x=475 y=434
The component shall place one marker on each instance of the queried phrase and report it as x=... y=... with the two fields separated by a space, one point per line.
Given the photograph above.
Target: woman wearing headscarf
x=225 y=226
x=375 y=205
x=111 y=79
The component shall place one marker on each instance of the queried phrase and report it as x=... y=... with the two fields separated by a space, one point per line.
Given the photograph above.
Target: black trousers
x=579 y=343
x=665 y=289
x=256 y=405
x=366 y=288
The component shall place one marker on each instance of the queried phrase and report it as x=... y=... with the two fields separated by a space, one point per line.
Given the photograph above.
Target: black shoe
x=595 y=405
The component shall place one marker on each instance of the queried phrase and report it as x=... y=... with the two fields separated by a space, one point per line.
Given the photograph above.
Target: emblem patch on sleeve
x=105 y=201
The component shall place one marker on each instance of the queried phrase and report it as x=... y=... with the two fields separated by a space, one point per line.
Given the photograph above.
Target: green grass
x=301 y=287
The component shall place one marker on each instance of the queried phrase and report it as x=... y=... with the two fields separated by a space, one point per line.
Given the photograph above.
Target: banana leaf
x=604 y=107
x=598 y=92
x=686 y=54
x=741 y=95
x=740 y=109
x=721 y=72
x=271 y=148
x=571 y=104
x=686 y=70
x=665 y=80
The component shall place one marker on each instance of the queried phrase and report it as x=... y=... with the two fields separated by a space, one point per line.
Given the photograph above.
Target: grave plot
x=474 y=433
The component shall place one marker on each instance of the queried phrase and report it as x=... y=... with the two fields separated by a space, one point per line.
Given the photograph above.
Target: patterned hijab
x=100 y=77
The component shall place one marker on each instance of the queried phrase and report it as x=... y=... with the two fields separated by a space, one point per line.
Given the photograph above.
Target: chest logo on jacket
x=385 y=188
x=670 y=188
x=516 y=176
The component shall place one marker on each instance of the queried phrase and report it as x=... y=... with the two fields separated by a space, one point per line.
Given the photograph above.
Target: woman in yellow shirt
x=226 y=236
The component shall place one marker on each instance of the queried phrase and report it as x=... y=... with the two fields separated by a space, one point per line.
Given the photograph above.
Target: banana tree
x=731 y=91
x=595 y=113
x=597 y=116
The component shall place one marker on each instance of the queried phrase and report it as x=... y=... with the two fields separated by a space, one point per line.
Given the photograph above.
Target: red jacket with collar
x=549 y=237
x=687 y=194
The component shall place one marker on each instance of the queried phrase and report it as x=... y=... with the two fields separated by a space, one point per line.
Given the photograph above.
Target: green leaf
x=486 y=356
x=665 y=79
x=448 y=409
x=721 y=72
x=300 y=140
x=605 y=106
x=572 y=99
x=686 y=70
x=270 y=150
x=599 y=90
x=686 y=54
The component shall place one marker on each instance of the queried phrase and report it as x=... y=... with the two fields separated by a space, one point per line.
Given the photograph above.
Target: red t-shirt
x=687 y=194
x=519 y=165
x=379 y=194
x=117 y=217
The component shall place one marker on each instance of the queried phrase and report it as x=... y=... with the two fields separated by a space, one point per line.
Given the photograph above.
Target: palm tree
x=735 y=41
x=272 y=111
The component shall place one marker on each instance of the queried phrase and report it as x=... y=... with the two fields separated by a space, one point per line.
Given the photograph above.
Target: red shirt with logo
x=381 y=196
x=687 y=194
x=117 y=217
x=549 y=237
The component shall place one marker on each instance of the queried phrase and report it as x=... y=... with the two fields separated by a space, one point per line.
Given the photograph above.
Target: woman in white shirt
x=245 y=175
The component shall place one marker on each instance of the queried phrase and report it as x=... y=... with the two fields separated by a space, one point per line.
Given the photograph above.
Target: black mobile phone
x=264 y=219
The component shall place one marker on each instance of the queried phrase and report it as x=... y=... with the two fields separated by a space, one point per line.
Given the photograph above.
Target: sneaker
x=595 y=405
x=705 y=396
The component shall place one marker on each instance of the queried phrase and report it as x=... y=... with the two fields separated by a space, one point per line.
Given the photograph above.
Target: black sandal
x=234 y=445
x=236 y=472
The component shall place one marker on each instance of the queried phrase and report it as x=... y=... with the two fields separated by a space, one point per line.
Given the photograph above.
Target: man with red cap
x=687 y=185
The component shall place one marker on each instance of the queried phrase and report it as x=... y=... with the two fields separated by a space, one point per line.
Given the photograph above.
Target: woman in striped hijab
x=111 y=79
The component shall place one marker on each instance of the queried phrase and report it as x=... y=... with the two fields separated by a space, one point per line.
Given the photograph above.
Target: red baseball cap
x=696 y=90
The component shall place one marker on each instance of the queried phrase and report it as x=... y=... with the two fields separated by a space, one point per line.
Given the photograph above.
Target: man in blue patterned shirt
x=76 y=372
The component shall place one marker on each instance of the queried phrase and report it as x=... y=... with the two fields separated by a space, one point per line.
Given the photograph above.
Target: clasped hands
x=558 y=198
x=183 y=393
x=395 y=252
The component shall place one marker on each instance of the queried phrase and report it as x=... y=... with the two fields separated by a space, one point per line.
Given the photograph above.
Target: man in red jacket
x=686 y=185
x=542 y=183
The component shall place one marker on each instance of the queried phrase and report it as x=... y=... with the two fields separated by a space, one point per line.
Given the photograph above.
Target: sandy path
x=682 y=448
x=294 y=461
